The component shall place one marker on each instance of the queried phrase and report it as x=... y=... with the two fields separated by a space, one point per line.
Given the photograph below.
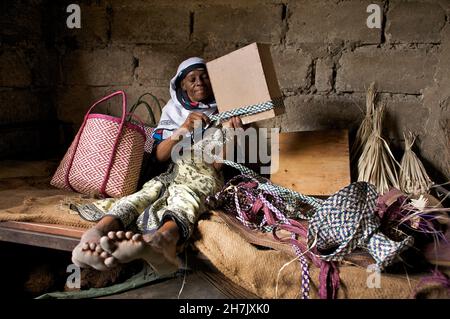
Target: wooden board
x=312 y=163
x=41 y=235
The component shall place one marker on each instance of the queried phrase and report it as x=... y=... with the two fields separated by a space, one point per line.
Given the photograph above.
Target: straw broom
x=377 y=164
x=364 y=130
x=413 y=176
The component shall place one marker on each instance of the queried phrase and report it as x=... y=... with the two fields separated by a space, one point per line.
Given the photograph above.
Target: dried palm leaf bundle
x=413 y=176
x=377 y=165
x=400 y=216
x=364 y=130
x=422 y=216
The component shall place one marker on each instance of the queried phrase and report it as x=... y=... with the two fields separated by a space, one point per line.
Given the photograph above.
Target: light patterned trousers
x=181 y=199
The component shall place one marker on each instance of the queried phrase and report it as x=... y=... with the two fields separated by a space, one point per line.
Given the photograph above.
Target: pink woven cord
x=437 y=278
x=329 y=275
x=328 y=280
x=253 y=202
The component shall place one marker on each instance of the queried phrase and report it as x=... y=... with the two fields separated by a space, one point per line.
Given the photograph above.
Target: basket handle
x=149 y=109
x=116 y=142
x=132 y=116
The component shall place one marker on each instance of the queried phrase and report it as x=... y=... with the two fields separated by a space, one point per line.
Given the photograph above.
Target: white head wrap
x=174 y=114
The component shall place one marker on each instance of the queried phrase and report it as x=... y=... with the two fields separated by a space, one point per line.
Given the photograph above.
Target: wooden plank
x=195 y=286
x=312 y=163
x=37 y=239
x=41 y=235
x=51 y=229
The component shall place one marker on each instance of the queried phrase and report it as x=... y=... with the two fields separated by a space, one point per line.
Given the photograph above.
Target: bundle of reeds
x=413 y=176
x=364 y=130
x=377 y=165
x=417 y=215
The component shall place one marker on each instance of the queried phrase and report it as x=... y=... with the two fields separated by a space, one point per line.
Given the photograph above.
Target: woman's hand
x=164 y=149
x=234 y=122
x=194 y=120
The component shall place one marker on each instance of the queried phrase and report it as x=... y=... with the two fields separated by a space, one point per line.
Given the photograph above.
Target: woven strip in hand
x=248 y=110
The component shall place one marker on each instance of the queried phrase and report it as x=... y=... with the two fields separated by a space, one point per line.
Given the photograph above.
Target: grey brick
x=394 y=71
x=324 y=75
x=98 y=67
x=402 y=115
x=21 y=106
x=94 y=25
x=150 y=24
x=238 y=24
x=329 y=22
x=14 y=71
x=74 y=102
x=309 y=113
x=292 y=68
x=415 y=22
x=158 y=64
x=21 y=21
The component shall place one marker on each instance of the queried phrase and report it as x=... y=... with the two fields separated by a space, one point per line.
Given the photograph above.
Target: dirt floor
x=33 y=271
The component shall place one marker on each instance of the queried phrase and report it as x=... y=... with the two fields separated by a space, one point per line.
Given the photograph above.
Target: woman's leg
x=160 y=248
x=128 y=208
x=185 y=203
x=121 y=215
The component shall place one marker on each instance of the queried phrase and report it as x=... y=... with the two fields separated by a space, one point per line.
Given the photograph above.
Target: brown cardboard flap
x=245 y=77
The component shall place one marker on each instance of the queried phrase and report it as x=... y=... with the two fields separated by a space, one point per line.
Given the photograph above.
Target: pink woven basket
x=105 y=157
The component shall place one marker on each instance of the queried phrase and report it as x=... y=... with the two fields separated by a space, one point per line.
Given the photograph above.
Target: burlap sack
x=257 y=269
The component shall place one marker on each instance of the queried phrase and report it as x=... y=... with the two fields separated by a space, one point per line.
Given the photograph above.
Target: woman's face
x=197 y=85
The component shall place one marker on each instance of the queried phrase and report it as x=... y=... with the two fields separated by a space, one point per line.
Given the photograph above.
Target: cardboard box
x=245 y=77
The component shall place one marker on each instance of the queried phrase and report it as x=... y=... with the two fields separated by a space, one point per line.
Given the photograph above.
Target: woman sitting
x=161 y=216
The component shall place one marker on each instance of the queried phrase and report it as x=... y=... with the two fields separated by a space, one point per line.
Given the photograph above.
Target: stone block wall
x=324 y=53
x=28 y=122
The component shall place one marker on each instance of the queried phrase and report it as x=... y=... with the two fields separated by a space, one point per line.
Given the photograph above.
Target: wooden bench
x=41 y=235
x=313 y=163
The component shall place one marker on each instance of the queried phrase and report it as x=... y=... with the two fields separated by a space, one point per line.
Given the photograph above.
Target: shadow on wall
x=104 y=56
x=323 y=71
x=28 y=73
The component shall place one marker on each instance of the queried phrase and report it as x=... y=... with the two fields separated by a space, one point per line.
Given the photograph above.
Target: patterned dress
x=179 y=194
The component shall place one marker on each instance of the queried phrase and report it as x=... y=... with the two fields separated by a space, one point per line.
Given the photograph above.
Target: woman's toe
x=105 y=254
x=129 y=235
x=120 y=234
x=107 y=244
x=111 y=262
x=112 y=235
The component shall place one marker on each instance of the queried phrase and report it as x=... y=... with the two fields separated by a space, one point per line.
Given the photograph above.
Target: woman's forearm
x=218 y=164
x=164 y=149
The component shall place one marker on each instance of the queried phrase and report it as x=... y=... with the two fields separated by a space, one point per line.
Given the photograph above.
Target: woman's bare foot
x=88 y=253
x=158 y=250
